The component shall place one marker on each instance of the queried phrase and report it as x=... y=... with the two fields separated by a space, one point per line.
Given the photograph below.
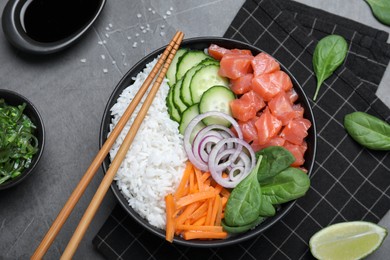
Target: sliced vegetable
x=189 y=114
x=216 y=98
x=185 y=92
x=204 y=79
x=170 y=208
x=177 y=102
x=171 y=72
x=368 y=130
x=234 y=161
x=329 y=54
x=188 y=60
x=172 y=111
x=197 y=205
x=194 y=152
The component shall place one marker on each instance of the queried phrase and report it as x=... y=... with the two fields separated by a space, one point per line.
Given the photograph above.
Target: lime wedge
x=347 y=240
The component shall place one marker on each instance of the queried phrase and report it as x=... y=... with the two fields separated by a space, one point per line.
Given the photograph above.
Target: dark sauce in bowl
x=48 y=26
x=54 y=20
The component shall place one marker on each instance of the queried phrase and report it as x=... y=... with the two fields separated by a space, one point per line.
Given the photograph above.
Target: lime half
x=347 y=240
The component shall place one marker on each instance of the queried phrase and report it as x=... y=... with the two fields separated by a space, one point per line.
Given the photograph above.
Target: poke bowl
x=122 y=194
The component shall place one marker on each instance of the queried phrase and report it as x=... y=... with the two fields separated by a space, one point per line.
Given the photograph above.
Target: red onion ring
x=192 y=150
x=216 y=168
x=216 y=149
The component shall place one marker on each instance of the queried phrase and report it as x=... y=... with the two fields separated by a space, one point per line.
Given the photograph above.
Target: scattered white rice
x=155 y=162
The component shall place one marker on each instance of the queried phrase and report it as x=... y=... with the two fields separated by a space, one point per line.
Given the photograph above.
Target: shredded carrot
x=180 y=190
x=200 y=228
x=214 y=211
x=191 y=198
x=218 y=218
x=209 y=212
x=200 y=211
x=198 y=175
x=188 y=235
x=205 y=176
x=186 y=212
x=170 y=208
x=196 y=209
x=192 y=182
x=201 y=221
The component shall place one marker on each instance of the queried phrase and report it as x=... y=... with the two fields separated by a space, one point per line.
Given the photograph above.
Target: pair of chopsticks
x=164 y=62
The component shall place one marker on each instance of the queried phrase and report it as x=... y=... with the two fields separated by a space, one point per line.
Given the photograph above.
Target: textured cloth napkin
x=348 y=181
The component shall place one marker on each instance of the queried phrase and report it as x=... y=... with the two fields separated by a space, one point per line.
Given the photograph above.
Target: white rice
x=156 y=159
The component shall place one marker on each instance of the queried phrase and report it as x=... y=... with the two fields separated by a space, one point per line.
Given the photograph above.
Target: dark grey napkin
x=348 y=181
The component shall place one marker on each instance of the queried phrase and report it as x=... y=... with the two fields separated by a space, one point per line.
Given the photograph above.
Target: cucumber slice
x=204 y=79
x=187 y=116
x=216 y=98
x=189 y=60
x=172 y=111
x=171 y=72
x=185 y=92
x=180 y=106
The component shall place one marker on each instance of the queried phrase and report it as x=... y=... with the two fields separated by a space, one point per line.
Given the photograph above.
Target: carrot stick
x=191 y=198
x=218 y=188
x=214 y=211
x=205 y=176
x=199 y=211
x=198 y=175
x=188 y=235
x=187 y=211
x=192 y=182
x=201 y=221
x=183 y=182
x=218 y=218
x=209 y=212
x=200 y=228
x=170 y=209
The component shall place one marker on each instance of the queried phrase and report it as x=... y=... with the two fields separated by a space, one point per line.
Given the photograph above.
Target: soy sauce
x=54 y=20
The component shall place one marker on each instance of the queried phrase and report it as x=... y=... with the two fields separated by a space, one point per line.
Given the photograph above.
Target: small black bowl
x=201 y=44
x=12 y=22
x=15 y=99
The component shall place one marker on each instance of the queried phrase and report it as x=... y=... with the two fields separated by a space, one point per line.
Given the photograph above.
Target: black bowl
x=15 y=99
x=12 y=23
x=200 y=44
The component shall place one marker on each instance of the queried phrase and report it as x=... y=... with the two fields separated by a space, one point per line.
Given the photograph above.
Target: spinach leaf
x=275 y=160
x=241 y=229
x=381 y=10
x=244 y=201
x=288 y=185
x=266 y=207
x=367 y=130
x=329 y=54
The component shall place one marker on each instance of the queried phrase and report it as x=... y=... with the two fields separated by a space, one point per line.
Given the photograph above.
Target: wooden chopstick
x=164 y=61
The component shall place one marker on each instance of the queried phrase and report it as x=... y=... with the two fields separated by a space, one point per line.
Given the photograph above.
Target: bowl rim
x=161 y=233
x=27 y=172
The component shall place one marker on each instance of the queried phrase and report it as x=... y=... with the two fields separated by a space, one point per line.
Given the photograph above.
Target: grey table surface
x=71 y=88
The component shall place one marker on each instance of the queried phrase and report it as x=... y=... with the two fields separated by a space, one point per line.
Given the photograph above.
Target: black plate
x=200 y=44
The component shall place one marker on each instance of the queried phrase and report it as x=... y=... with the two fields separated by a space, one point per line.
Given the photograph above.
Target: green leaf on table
x=368 y=130
x=381 y=10
x=329 y=54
